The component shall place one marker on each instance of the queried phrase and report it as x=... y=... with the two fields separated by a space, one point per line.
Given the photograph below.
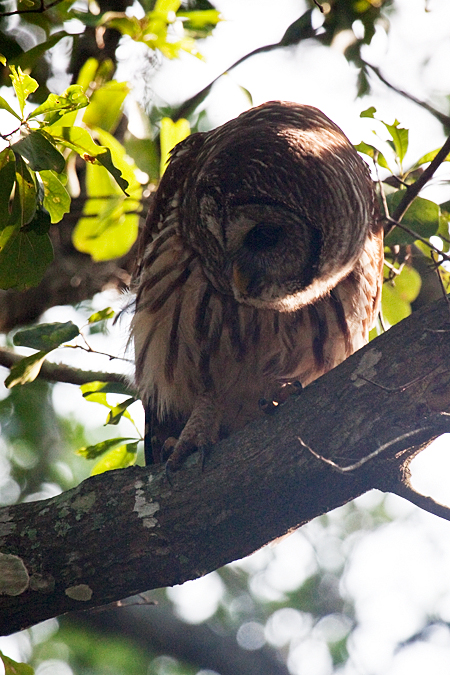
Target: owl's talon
x=169 y=473
x=204 y=452
x=298 y=388
x=268 y=407
x=168 y=448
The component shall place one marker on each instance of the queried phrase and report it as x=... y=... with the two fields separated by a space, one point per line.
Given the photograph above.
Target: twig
x=58 y=372
x=404 y=489
x=444 y=119
x=393 y=222
x=441 y=283
x=413 y=190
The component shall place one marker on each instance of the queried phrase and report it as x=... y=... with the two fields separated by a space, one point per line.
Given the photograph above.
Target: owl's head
x=278 y=205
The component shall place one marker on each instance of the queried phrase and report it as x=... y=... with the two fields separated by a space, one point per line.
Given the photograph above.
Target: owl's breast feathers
x=262 y=265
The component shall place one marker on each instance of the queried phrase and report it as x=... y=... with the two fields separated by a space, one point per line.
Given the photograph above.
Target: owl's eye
x=262 y=237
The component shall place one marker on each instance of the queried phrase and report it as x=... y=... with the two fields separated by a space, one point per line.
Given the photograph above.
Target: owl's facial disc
x=272 y=254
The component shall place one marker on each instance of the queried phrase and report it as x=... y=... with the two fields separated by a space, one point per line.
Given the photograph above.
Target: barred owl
x=261 y=266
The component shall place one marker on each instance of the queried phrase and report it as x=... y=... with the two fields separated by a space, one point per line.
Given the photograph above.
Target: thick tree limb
x=127 y=531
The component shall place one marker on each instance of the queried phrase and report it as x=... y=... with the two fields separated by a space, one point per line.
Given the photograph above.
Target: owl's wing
x=182 y=158
x=161 y=214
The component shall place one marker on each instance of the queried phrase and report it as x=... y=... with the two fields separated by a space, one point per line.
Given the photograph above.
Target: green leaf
x=145 y=153
x=7 y=181
x=5 y=106
x=38 y=149
x=425 y=159
x=96 y=387
x=371 y=151
x=14 y=668
x=105 y=160
x=201 y=18
x=110 y=223
x=87 y=73
x=102 y=315
x=23 y=84
x=79 y=139
x=399 y=139
x=25 y=197
x=370 y=112
x=127 y=25
x=105 y=107
x=40 y=224
x=108 y=230
x=119 y=458
x=94 y=451
x=56 y=198
x=26 y=370
x=73 y=98
x=171 y=134
x=422 y=217
x=397 y=297
x=24 y=259
x=120 y=410
x=46 y=335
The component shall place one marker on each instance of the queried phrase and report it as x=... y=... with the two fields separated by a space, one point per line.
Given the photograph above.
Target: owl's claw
x=268 y=407
x=169 y=473
x=204 y=452
x=168 y=448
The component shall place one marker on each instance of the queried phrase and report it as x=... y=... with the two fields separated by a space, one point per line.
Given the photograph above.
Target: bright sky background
x=399 y=573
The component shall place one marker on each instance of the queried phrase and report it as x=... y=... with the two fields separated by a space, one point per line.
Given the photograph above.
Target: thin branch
x=58 y=372
x=396 y=223
x=414 y=189
x=443 y=119
x=404 y=489
x=441 y=283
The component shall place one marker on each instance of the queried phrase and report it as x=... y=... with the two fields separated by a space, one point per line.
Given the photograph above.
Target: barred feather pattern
x=261 y=266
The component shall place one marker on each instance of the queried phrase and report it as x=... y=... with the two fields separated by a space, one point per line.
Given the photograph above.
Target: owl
x=260 y=266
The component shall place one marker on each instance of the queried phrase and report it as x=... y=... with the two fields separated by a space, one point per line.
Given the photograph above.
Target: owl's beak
x=240 y=279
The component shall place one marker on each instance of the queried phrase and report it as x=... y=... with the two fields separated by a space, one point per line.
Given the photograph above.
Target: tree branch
x=443 y=119
x=413 y=190
x=127 y=531
x=58 y=372
x=405 y=490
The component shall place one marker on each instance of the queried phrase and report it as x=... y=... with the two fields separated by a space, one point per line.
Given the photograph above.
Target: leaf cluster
x=423 y=220
x=33 y=177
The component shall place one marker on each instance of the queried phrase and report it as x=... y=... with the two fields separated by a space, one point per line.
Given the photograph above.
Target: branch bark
x=127 y=531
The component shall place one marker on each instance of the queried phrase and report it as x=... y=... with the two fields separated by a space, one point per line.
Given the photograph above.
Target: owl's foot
x=200 y=433
x=181 y=451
